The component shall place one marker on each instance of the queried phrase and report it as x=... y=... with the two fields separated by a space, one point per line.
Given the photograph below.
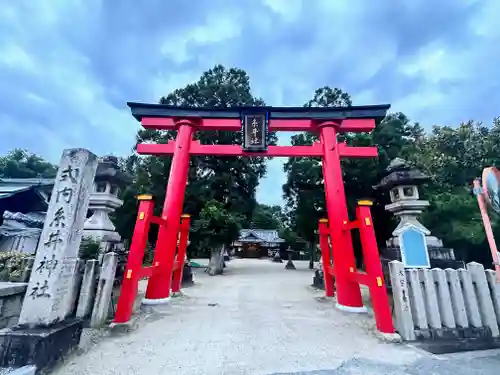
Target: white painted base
x=159 y=301
x=357 y=310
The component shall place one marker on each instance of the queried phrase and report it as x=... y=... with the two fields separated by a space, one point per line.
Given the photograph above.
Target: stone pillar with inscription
x=50 y=284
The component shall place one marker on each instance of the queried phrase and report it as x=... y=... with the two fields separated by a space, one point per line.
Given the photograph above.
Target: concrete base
x=42 y=347
x=152 y=302
x=357 y=310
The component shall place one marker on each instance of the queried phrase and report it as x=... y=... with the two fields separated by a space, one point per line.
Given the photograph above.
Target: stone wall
x=445 y=303
x=11 y=299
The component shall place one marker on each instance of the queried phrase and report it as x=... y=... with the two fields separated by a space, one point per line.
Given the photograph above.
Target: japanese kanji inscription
x=60 y=239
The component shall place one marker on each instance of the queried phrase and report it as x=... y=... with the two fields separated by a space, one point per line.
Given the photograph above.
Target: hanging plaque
x=254 y=132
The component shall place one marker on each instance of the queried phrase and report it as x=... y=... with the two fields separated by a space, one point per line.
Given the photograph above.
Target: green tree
x=20 y=163
x=216 y=227
x=266 y=217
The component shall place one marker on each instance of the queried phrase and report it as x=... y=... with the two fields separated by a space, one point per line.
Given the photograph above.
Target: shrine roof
x=260 y=235
x=12 y=186
x=377 y=112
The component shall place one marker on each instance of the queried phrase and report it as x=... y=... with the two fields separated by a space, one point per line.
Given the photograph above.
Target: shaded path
x=258 y=318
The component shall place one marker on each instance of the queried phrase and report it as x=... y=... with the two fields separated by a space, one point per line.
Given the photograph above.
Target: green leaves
x=216 y=226
x=266 y=217
x=20 y=163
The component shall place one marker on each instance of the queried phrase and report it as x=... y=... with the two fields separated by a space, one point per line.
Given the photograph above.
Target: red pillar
x=348 y=291
x=181 y=253
x=326 y=257
x=130 y=283
x=378 y=291
x=158 y=289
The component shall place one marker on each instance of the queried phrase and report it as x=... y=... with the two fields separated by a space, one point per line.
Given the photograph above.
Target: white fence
x=445 y=303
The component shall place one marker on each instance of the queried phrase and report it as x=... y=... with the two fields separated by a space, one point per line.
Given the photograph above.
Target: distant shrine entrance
x=339 y=265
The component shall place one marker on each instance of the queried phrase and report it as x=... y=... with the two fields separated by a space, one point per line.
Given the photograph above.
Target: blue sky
x=67 y=67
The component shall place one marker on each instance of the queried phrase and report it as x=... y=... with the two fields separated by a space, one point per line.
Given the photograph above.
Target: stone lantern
x=104 y=201
x=411 y=241
x=289 y=265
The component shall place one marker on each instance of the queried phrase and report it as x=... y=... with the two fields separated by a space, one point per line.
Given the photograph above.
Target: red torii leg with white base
x=373 y=278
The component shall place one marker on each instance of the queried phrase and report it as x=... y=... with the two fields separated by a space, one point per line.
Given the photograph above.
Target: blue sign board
x=414 y=253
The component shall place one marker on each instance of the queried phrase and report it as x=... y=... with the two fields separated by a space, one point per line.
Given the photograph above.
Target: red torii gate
x=256 y=122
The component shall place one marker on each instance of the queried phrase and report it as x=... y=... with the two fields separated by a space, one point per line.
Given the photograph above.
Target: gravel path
x=258 y=318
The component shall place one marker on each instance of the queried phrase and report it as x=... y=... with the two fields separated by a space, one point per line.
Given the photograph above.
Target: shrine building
x=257 y=243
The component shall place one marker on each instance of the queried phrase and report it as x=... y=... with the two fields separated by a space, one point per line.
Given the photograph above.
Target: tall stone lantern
x=411 y=241
x=104 y=201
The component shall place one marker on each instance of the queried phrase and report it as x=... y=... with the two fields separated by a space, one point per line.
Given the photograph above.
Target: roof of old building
x=12 y=186
x=259 y=235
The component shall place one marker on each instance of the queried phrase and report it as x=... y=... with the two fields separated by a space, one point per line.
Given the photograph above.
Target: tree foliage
x=20 y=163
x=267 y=217
x=216 y=226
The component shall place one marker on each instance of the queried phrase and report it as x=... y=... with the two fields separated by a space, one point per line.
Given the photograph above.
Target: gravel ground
x=259 y=318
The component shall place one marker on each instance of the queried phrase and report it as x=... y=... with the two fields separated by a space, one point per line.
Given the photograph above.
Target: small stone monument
x=43 y=334
x=289 y=265
x=411 y=242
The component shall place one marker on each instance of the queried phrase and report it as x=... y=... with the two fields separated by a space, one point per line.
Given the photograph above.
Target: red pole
x=181 y=253
x=158 y=290
x=348 y=290
x=326 y=257
x=130 y=283
x=378 y=291
x=487 y=226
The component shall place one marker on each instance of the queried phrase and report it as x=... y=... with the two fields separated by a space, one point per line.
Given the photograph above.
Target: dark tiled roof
x=262 y=235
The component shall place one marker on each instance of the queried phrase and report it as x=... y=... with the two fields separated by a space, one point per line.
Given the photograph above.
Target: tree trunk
x=311 y=255
x=216 y=264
